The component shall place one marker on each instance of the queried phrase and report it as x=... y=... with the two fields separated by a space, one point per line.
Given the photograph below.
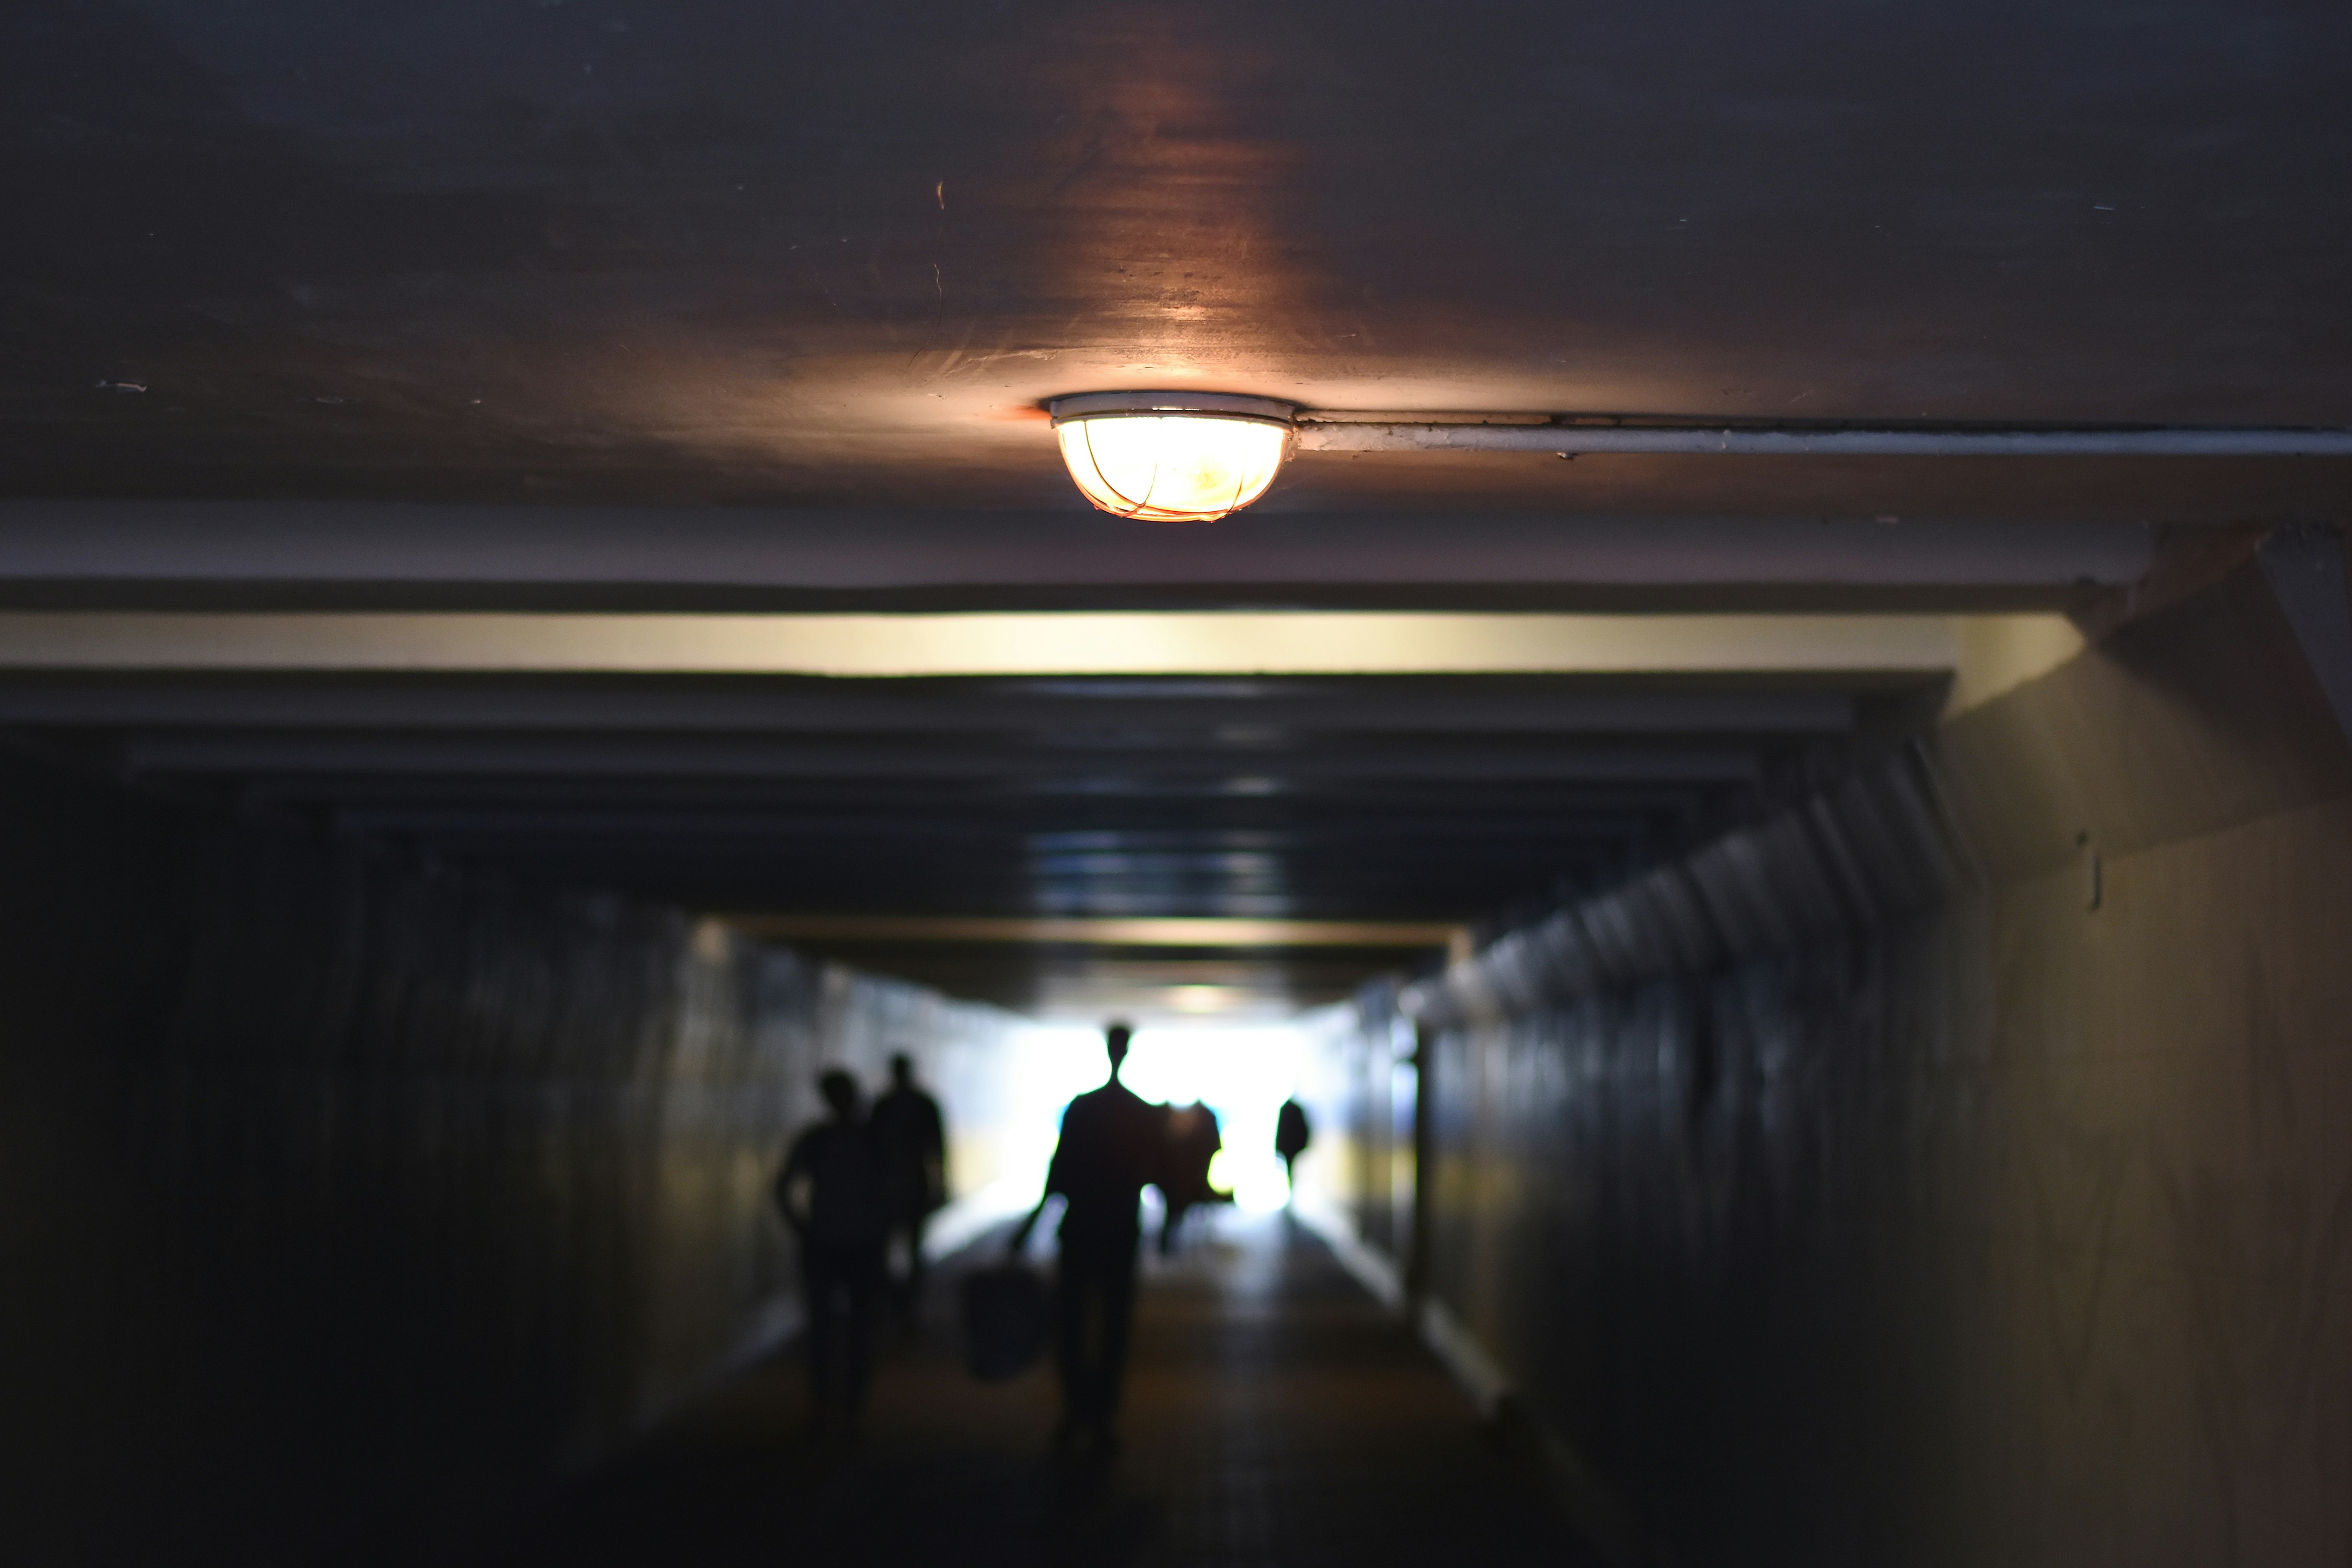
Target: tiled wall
x=1955 y=1168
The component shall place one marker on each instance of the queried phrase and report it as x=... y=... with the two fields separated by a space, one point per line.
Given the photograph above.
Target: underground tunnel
x=1708 y=649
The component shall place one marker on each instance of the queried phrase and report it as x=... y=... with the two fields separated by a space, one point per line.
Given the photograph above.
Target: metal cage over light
x=1172 y=457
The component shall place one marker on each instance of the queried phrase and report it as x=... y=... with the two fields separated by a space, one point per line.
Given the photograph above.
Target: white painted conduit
x=1334 y=432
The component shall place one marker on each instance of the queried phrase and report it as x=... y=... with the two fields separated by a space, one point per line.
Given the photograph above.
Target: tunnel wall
x=1956 y=1165
x=340 y=1195
x=1358 y=1180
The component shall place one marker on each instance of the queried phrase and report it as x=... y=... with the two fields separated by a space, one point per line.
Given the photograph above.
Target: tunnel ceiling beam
x=1545 y=706
x=657 y=819
x=1838 y=538
x=591 y=757
x=1161 y=932
x=1237 y=643
x=883 y=799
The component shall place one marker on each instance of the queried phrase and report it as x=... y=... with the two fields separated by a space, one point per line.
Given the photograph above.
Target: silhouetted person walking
x=1193 y=1140
x=1112 y=1147
x=914 y=1151
x=1291 y=1136
x=832 y=1191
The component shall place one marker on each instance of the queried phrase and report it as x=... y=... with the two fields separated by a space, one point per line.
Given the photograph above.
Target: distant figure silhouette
x=914 y=1150
x=1113 y=1145
x=833 y=1192
x=1291 y=1136
x=1193 y=1140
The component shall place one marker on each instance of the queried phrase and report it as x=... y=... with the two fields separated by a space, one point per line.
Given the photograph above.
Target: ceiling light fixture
x=1172 y=457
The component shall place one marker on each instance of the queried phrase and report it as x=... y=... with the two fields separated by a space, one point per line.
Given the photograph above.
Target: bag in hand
x=1007 y=1318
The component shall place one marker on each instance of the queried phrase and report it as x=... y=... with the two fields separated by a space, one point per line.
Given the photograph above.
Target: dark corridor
x=1279 y=1416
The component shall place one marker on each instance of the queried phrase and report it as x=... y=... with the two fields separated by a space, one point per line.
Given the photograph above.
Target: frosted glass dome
x=1172 y=464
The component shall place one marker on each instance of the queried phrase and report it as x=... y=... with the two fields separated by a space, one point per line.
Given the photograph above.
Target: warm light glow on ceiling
x=1171 y=643
x=1172 y=457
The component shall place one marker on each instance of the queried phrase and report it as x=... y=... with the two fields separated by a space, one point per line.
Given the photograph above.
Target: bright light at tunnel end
x=1172 y=457
x=1243 y=1072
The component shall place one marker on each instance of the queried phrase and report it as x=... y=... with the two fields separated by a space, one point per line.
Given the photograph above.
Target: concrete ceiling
x=833 y=255
x=567 y=306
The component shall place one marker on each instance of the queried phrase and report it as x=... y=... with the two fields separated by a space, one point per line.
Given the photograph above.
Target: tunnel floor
x=1275 y=1415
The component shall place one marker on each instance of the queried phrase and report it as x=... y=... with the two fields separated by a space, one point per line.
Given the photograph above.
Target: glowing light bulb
x=1172 y=456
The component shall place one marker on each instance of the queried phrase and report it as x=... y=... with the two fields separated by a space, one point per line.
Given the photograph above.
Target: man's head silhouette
x=840 y=1091
x=1115 y=1039
x=902 y=1069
